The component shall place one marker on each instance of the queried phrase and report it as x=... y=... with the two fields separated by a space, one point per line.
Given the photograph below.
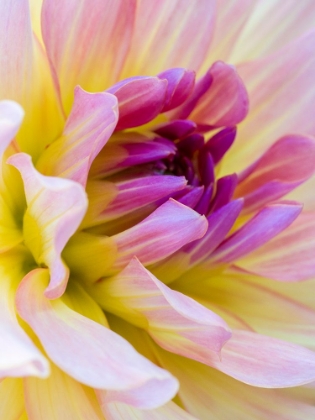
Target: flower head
x=153 y=238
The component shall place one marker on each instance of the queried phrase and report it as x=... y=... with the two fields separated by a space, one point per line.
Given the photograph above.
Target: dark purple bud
x=206 y=167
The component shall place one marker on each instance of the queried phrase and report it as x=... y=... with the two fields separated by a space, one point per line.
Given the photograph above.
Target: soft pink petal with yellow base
x=18 y=355
x=210 y=395
x=55 y=210
x=271 y=26
x=11 y=397
x=175 y=321
x=226 y=101
x=59 y=397
x=90 y=124
x=25 y=77
x=169 y=411
x=177 y=33
x=288 y=257
x=285 y=165
x=86 y=45
x=281 y=101
x=166 y=230
x=264 y=226
x=87 y=351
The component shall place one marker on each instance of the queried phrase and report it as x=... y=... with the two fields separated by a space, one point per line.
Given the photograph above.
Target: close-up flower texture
x=157 y=207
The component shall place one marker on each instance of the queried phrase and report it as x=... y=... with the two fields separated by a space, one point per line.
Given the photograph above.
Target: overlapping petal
x=55 y=208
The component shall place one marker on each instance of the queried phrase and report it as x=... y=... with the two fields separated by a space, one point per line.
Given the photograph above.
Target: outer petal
x=177 y=33
x=175 y=321
x=91 y=122
x=59 y=397
x=288 y=257
x=268 y=223
x=288 y=163
x=87 y=351
x=55 y=210
x=278 y=22
x=11 y=396
x=84 y=46
x=281 y=101
x=169 y=411
x=18 y=355
x=226 y=102
x=205 y=393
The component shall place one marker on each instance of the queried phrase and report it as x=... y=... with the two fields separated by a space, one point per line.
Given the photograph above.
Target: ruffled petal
x=169 y=34
x=288 y=257
x=90 y=124
x=84 y=45
x=175 y=321
x=82 y=347
x=55 y=210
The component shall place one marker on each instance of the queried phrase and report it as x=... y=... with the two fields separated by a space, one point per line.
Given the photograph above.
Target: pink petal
x=140 y=100
x=86 y=350
x=226 y=102
x=11 y=116
x=180 y=85
x=109 y=200
x=288 y=163
x=176 y=322
x=177 y=34
x=266 y=362
x=169 y=411
x=289 y=256
x=55 y=210
x=127 y=150
x=18 y=355
x=266 y=224
x=281 y=101
x=166 y=230
x=84 y=46
x=90 y=124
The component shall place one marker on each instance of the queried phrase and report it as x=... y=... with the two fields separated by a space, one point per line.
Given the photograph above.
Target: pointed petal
x=166 y=230
x=11 y=397
x=59 y=396
x=226 y=102
x=55 y=209
x=266 y=224
x=266 y=362
x=129 y=150
x=288 y=163
x=82 y=43
x=175 y=321
x=169 y=411
x=281 y=101
x=177 y=33
x=289 y=256
x=84 y=349
x=108 y=200
x=90 y=124
x=18 y=355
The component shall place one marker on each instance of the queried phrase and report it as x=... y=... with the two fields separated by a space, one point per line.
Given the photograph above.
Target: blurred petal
x=266 y=224
x=177 y=34
x=59 y=397
x=90 y=124
x=55 y=210
x=11 y=397
x=84 y=46
x=82 y=347
x=175 y=321
x=289 y=256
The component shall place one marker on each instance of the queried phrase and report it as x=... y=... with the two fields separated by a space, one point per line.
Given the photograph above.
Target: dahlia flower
x=157 y=211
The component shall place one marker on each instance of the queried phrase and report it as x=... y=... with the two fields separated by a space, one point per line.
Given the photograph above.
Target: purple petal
x=225 y=189
x=220 y=143
x=175 y=129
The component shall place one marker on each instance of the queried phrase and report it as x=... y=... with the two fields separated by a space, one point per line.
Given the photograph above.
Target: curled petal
x=11 y=116
x=90 y=124
x=87 y=351
x=55 y=210
x=175 y=321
